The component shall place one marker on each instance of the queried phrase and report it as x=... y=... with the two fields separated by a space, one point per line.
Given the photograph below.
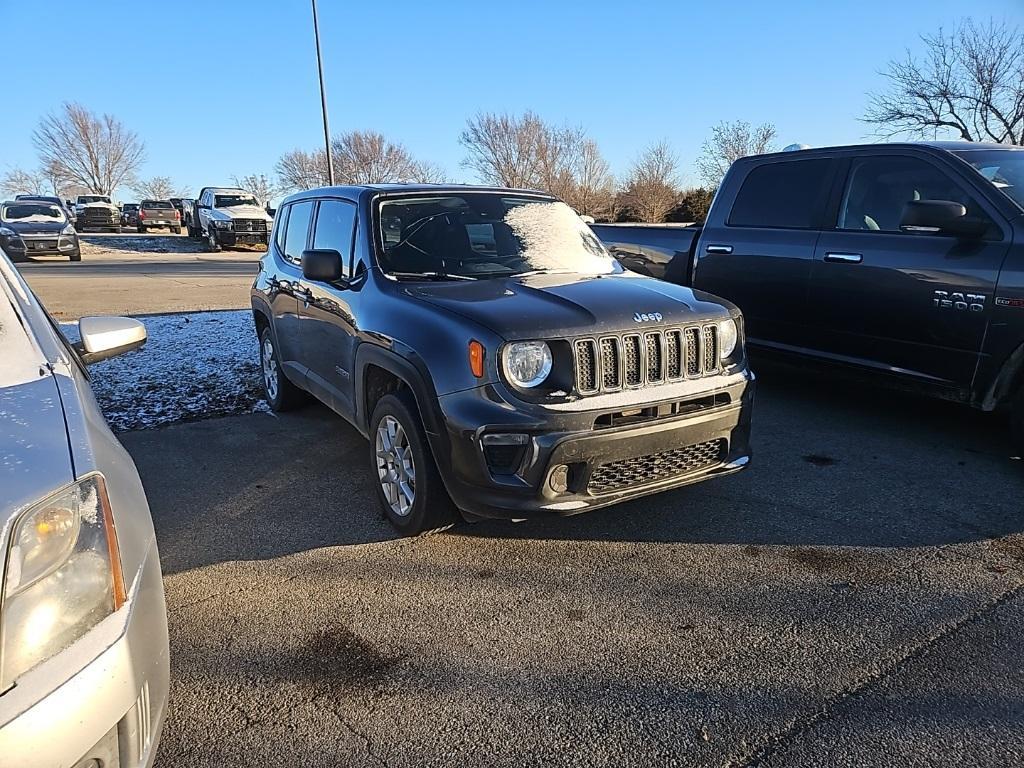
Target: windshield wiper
x=430 y=276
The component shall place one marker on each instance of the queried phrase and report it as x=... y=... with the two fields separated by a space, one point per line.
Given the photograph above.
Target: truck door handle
x=302 y=294
x=718 y=249
x=844 y=258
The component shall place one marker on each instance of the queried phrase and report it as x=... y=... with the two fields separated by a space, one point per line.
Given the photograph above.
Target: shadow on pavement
x=834 y=465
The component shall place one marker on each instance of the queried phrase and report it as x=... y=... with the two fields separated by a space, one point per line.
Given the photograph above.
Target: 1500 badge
x=964 y=302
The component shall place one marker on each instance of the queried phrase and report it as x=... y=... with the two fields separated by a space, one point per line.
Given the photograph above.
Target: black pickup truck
x=494 y=355
x=905 y=260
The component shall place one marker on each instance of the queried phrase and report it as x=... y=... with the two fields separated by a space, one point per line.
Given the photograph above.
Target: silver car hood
x=35 y=458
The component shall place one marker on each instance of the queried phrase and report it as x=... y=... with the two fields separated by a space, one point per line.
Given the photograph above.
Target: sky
x=217 y=88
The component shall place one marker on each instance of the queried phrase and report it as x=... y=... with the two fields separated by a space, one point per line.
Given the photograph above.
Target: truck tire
x=1017 y=421
x=280 y=393
x=140 y=230
x=211 y=241
x=406 y=482
x=176 y=230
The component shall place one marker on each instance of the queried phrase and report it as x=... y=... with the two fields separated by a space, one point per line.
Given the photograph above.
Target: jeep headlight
x=728 y=337
x=526 y=363
x=63 y=576
x=221 y=224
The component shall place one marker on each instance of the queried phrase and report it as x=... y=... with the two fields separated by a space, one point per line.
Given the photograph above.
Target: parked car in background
x=83 y=622
x=33 y=227
x=905 y=261
x=179 y=205
x=227 y=216
x=158 y=214
x=97 y=212
x=129 y=214
x=494 y=354
x=69 y=210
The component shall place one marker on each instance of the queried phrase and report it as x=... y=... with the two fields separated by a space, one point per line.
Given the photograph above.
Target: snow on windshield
x=38 y=214
x=552 y=233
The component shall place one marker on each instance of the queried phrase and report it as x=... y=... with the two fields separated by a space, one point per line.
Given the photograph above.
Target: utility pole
x=323 y=99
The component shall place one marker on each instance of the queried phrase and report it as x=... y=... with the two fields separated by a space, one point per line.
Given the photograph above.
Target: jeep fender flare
x=1006 y=383
x=410 y=369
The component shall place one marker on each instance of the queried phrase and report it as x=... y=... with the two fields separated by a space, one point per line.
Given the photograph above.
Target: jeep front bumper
x=514 y=460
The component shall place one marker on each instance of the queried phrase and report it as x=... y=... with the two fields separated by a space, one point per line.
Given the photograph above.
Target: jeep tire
x=280 y=393
x=1017 y=421
x=408 y=487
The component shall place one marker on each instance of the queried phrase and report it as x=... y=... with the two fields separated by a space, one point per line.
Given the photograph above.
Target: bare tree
x=504 y=149
x=360 y=157
x=592 y=191
x=264 y=188
x=156 y=188
x=728 y=143
x=968 y=84
x=652 y=187
x=98 y=153
x=298 y=170
x=18 y=181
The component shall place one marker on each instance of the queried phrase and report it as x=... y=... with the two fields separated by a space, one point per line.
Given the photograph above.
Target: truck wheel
x=407 y=484
x=280 y=393
x=177 y=230
x=211 y=241
x=140 y=230
x=1017 y=421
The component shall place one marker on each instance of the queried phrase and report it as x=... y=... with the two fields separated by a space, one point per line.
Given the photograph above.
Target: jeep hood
x=560 y=305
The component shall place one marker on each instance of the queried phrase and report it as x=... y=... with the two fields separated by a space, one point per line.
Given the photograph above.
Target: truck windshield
x=229 y=201
x=1003 y=167
x=479 y=235
x=82 y=199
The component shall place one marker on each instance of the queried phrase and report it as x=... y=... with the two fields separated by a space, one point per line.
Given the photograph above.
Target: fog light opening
x=558 y=480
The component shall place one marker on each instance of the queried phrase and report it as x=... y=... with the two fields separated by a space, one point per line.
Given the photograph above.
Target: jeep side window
x=296 y=230
x=334 y=228
x=878 y=188
x=785 y=195
x=281 y=222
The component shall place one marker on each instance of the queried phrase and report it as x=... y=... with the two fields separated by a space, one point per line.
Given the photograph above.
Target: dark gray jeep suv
x=494 y=354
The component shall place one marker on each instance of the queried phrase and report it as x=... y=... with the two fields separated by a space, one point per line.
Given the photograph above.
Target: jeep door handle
x=844 y=258
x=718 y=249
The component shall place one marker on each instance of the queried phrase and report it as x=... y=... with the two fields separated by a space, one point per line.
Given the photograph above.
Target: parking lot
x=854 y=598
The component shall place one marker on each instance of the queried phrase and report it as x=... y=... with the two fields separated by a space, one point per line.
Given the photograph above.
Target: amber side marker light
x=476 y=358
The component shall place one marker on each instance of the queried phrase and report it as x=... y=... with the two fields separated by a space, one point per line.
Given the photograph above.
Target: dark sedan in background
x=36 y=228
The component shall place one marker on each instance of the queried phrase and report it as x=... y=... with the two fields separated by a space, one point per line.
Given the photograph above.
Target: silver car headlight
x=7 y=232
x=728 y=337
x=63 y=576
x=526 y=363
x=68 y=230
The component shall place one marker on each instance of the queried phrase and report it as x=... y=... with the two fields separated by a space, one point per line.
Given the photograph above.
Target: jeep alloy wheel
x=396 y=468
x=269 y=368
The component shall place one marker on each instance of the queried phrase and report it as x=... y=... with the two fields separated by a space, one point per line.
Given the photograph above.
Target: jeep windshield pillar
x=499 y=361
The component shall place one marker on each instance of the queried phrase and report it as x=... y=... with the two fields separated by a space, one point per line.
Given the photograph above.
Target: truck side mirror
x=323 y=265
x=941 y=217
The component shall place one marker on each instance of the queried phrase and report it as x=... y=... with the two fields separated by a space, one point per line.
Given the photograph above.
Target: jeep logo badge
x=647 y=317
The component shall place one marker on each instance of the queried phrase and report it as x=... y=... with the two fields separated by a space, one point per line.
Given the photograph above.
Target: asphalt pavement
x=139 y=274
x=855 y=598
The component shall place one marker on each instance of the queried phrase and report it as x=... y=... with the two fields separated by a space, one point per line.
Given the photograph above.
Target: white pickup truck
x=96 y=212
x=228 y=216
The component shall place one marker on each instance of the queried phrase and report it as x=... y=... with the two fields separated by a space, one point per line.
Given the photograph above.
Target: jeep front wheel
x=406 y=481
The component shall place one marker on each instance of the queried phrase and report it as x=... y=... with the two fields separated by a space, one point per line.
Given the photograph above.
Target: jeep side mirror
x=941 y=217
x=324 y=265
x=106 y=337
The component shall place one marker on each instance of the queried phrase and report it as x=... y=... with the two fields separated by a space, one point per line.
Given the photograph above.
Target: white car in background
x=83 y=623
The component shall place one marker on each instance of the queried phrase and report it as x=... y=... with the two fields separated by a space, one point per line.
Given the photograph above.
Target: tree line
x=968 y=83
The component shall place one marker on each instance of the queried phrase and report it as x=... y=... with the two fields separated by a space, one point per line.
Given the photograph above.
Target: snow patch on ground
x=195 y=365
x=116 y=245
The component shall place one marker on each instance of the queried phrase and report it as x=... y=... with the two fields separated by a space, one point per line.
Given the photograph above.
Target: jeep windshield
x=480 y=235
x=1003 y=167
x=230 y=201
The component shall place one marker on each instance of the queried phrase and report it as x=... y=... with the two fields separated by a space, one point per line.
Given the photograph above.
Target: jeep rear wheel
x=407 y=484
x=280 y=393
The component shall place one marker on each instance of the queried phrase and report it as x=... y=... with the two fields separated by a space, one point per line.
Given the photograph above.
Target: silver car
x=83 y=623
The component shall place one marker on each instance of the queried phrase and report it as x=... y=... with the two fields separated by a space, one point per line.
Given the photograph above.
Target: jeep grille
x=641 y=470
x=632 y=360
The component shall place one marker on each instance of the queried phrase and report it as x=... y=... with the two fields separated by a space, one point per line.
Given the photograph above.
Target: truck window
x=335 y=225
x=878 y=188
x=297 y=229
x=786 y=195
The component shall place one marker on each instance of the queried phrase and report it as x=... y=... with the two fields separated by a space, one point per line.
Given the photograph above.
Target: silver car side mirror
x=106 y=337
